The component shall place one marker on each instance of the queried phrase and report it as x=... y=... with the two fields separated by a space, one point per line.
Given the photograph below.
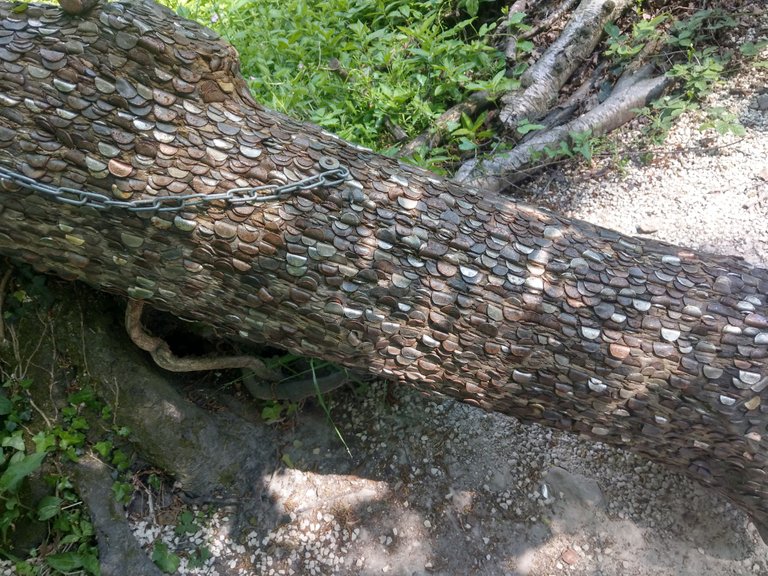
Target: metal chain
x=333 y=176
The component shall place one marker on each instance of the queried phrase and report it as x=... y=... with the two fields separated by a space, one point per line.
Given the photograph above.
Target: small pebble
x=569 y=556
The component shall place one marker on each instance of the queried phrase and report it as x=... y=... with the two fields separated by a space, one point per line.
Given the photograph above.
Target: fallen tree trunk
x=419 y=279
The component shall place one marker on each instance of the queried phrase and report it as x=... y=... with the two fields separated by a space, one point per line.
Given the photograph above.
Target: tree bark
x=419 y=279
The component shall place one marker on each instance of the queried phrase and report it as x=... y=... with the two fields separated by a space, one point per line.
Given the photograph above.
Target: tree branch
x=543 y=80
x=498 y=172
x=434 y=136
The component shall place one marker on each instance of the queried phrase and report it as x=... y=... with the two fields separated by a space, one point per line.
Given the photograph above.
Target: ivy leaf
x=6 y=406
x=19 y=470
x=48 y=508
x=166 y=560
x=527 y=127
x=91 y=564
x=15 y=441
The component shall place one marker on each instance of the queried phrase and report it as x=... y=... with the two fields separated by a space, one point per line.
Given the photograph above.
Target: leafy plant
x=350 y=66
x=469 y=134
x=623 y=47
x=693 y=57
x=166 y=560
x=70 y=546
x=578 y=144
x=16 y=462
x=723 y=122
x=186 y=523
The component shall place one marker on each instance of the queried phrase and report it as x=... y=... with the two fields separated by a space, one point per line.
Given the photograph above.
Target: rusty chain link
x=333 y=175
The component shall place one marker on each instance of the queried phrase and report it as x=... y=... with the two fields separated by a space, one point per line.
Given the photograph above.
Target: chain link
x=335 y=175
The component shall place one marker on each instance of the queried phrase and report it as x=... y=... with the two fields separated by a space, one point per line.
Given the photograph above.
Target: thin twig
x=547 y=22
x=48 y=423
x=3 y=285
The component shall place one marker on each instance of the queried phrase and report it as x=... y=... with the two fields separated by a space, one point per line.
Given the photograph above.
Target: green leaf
x=48 y=508
x=287 y=460
x=472 y=7
x=15 y=441
x=6 y=406
x=525 y=46
x=271 y=412
x=44 y=441
x=122 y=491
x=186 y=523
x=752 y=48
x=64 y=562
x=166 y=560
x=83 y=396
x=527 y=127
x=103 y=448
x=612 y=30
x=466 y=145
x=516 y=18
x=19 y=470
x=91 y=564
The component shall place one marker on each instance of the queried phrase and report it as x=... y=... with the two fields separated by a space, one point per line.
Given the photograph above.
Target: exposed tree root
x=294 y=390
x=163 y=357
x=215 y=457
x=260 y=382
x=548 y=75
x=119 y=552
x=631 y=92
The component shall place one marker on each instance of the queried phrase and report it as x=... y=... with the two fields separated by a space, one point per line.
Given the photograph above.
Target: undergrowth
x=366 y=70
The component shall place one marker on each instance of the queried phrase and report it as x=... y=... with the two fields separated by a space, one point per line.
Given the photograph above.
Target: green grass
x=353 y=66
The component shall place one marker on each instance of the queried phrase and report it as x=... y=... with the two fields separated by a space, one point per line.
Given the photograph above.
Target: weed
x=70 y=546
x=580 y=144
x=471 y=133
x=166 y=560
x=621 y=48
x=694 y=57
x=325 y=408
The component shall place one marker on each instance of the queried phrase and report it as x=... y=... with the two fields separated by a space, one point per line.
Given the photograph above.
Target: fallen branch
x=549 y=20
x=542 y=81
x=497 y=172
